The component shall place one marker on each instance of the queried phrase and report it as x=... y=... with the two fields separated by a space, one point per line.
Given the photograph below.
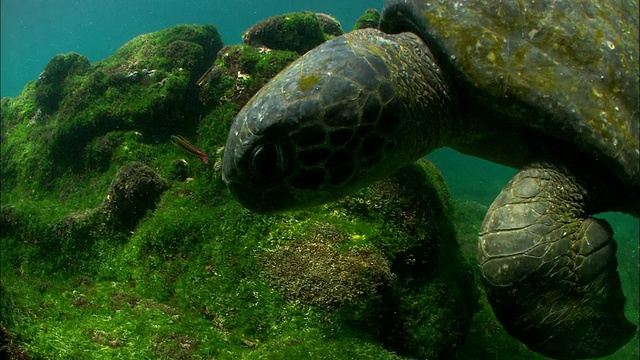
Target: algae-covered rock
x=189 y=48
x=147 y=86
x=313 y=270
x=433 y=299
x=239 y=71
x=135 y=190
x=237 y=74
x=370 y=19
x=179 y=170
x=330 y=25
x=75 y=240
x=50 y=83
x=384 y=260
x=153 y=75
x=298 y=32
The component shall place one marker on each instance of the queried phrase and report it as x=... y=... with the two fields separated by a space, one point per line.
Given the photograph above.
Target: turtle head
x=332 y=122
x=319 y=130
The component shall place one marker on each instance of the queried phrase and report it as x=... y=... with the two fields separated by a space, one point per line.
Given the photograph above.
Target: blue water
x=32 y=31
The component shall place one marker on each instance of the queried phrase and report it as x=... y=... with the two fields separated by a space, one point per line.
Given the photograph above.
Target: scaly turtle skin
x=549 y=87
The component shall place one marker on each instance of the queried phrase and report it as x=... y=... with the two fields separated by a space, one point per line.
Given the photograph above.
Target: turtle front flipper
x=550 y=270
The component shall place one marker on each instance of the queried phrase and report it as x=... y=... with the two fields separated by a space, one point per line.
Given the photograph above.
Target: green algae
x=51 y=82
x=190 y=47
x=370 y=19
x=298 y=32
x=239 y=71
x=308 y=82
x=147 y=82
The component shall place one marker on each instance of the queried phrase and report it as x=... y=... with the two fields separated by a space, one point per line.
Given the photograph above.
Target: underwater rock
x=135 y=190
x=147 y=86
x=179 y=170
x=330 y=25
x=299 y=32
x=180 y=48
x=50 y=86
x=433 y=298
x=237 y=74
x=468 y=216
x=404 y=281
x=314 y=271
x=370 y=19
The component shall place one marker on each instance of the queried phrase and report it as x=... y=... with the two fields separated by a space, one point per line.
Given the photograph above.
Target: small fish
x=183 y=143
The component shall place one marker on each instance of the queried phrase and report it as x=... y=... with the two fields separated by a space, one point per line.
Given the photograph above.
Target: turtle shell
x=566 y=68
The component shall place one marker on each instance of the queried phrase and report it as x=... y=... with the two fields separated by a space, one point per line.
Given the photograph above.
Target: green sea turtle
x=549 y=87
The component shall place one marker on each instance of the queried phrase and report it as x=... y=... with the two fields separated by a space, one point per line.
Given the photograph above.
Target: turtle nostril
x=268 y=161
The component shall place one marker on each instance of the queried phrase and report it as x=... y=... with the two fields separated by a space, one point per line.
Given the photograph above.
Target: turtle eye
x=268 y=161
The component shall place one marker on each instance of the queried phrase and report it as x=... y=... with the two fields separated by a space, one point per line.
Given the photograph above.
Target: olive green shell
x=567 y=68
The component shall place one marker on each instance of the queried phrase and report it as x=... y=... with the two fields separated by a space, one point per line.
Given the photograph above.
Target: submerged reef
x=370 y=19
x=50 y=84
x=115 y=244
x=298 y=32
x=147 y=87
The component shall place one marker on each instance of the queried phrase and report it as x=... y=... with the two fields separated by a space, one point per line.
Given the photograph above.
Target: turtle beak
x=258 y=200
x=251 y=195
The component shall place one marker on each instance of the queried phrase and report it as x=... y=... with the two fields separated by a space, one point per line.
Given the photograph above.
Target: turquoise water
x=35 y=30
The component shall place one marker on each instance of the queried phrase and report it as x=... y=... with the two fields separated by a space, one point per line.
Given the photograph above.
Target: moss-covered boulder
x=188 y=48
x=370 y=19
x=298 y=32
x=434 y=298
x=135 y=190
x=147 y=86
x=313 y=270
x=50 y=87
x=78 y=240
x=237 y=74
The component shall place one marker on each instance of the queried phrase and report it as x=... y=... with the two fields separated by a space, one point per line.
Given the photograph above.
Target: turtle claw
x=550 y=270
